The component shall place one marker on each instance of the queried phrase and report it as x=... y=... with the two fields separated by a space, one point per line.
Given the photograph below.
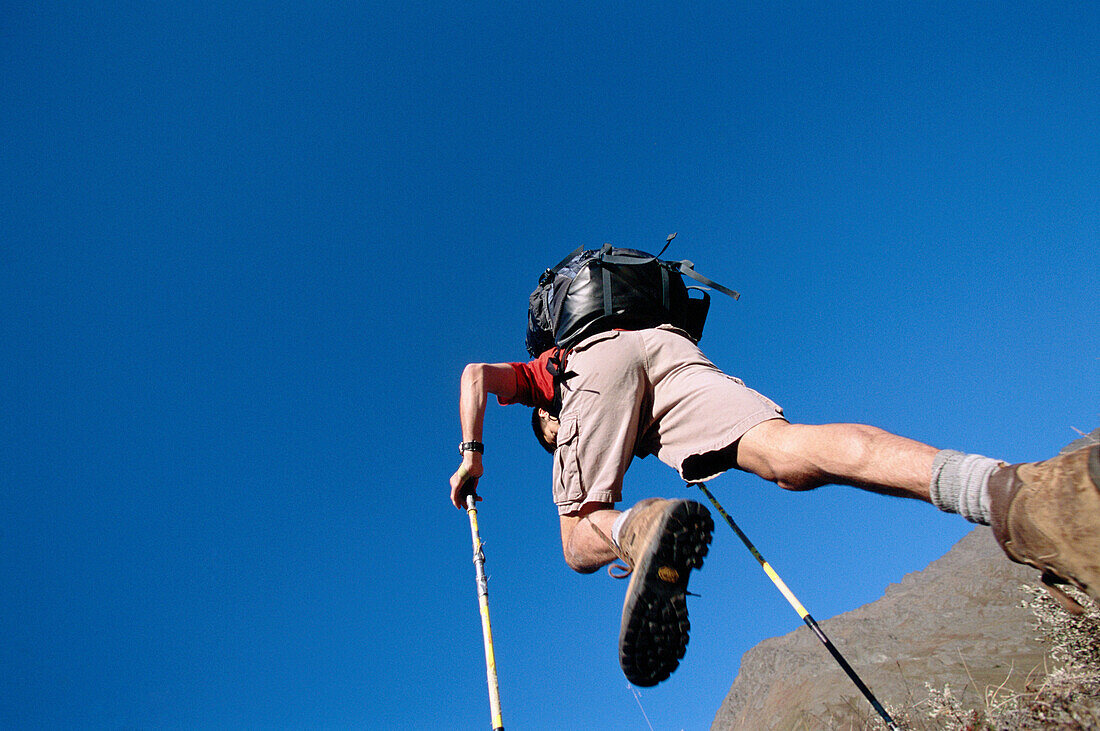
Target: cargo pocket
x=568 y=487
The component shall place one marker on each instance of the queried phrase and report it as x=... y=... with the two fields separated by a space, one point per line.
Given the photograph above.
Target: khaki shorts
x=645 y=392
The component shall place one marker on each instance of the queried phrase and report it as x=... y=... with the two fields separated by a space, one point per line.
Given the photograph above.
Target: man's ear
x=543 y=413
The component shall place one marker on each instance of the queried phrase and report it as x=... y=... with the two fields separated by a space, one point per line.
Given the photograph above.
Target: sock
x=617 y=527
x=960 y=484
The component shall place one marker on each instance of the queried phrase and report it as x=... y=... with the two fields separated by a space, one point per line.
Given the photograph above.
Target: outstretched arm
x=478 y=380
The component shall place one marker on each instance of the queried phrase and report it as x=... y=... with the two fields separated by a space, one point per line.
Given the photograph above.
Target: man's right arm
x=478 y=381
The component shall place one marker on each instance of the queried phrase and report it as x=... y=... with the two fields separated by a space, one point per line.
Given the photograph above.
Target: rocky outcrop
x=959 y=622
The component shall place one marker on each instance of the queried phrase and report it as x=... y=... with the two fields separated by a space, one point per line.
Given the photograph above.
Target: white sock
x=617 y=527
x=960 y=484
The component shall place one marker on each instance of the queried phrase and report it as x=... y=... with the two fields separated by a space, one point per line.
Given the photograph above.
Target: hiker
x=622 y=393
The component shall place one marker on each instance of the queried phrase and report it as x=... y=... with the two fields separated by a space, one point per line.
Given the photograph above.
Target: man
x=652 y=391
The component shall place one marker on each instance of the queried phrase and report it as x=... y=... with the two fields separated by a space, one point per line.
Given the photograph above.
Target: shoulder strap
x=555 y=366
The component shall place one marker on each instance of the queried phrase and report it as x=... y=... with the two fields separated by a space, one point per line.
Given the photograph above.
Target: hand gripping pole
x=793 y=601
x=486 y=627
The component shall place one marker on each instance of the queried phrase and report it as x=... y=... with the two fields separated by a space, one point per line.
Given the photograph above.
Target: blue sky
x=245 y=252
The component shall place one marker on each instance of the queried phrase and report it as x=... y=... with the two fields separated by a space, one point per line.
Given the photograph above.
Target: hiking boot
x=663 y=541
x=1047 y=515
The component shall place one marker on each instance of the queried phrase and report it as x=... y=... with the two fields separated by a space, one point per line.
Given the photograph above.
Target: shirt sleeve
x=534 y=384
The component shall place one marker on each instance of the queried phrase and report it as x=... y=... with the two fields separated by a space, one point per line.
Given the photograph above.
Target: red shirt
x=534 y=384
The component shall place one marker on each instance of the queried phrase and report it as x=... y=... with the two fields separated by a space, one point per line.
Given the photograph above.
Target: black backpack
x=591 y=291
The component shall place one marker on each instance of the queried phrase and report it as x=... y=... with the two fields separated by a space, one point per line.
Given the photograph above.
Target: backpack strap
x=608 y=257
x=617 y=259
x=685 y=267
x=605 y=256
x=568 y=257
x=688 y=268
x=555 y=366
x=552 y=271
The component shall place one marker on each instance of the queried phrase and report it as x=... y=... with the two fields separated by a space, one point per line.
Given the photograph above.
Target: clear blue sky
x=246 y=249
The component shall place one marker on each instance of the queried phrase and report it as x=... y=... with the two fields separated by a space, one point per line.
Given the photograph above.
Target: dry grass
x=1065 y=696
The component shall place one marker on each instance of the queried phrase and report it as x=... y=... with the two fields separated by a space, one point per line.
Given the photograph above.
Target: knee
x=773 y=452
x=574 y=558
x=770 y=451
x=577 y=565
x=803 y=457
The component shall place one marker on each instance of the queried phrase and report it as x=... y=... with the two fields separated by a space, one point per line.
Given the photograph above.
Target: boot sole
x=655 y=625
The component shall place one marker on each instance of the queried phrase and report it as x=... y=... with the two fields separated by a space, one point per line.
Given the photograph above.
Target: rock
x=960 y=622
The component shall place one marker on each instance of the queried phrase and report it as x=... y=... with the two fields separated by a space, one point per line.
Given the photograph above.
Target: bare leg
x=802 y=457
x=585 y=550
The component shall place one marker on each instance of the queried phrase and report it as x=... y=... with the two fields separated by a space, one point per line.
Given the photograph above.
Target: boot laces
x=617 y=569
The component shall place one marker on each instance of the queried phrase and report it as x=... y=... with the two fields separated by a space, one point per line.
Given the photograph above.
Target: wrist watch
x=471 y=447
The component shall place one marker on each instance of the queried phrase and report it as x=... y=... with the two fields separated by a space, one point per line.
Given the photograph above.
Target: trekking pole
x=486 y=628
x=802 y=612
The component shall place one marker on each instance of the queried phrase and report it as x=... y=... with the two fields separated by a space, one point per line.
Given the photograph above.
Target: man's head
x=545 y=427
